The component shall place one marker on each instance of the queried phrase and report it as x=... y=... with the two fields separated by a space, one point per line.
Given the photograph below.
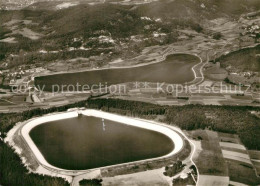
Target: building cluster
x=13 y=77
x=251 y=30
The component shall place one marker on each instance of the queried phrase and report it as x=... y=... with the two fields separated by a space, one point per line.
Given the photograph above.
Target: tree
x=217 y=36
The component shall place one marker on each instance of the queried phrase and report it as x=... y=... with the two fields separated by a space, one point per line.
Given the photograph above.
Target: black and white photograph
x=129 y=92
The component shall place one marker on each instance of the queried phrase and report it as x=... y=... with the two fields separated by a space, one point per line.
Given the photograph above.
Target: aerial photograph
x=129 y=92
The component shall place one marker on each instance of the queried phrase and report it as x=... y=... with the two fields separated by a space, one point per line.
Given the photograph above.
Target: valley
x=129 y=92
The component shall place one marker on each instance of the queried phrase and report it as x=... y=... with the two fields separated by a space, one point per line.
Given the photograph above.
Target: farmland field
x=210 y=161
x=242 y=172
x=4 y=102
x=254 y=154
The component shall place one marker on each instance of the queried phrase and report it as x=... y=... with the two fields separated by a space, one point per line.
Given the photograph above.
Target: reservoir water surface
x=83 y=143
x=175 y=69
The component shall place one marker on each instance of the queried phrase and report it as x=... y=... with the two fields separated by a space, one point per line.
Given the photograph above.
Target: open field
x=213 y=180
x=255 y=158
x=17 y=103
x=147 y=178
x=246 y=97
x=210 y=160
x=241 y=172
x=242 y=157
x=257 y=166
x=8 y=40
x=18 y=99
x=237 y=165
x=241 y=169
x=215 y=73
x=230 y=138
x=4 y=102
x=254 y=154
x=232 y=145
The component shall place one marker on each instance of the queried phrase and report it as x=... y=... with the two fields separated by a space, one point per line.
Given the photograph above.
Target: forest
x=12 y=171
x=229 y=119
x=245 y=59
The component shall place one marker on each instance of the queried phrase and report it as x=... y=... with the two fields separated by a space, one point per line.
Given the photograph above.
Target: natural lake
x=82 y=143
